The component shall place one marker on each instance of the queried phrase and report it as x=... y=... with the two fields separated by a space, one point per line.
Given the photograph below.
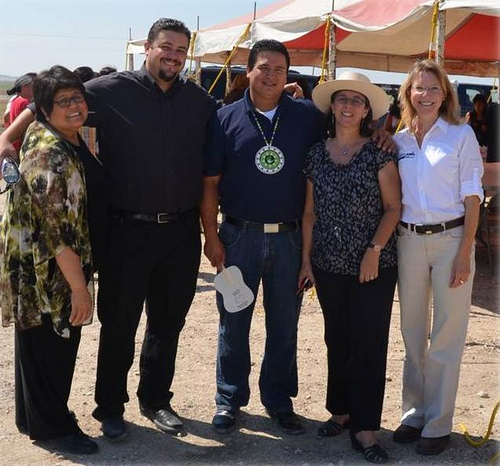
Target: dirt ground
x=258 y=441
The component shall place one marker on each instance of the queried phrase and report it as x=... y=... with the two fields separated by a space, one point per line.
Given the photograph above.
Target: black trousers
x=45 y=363
x=357 y=320
x=153 y=263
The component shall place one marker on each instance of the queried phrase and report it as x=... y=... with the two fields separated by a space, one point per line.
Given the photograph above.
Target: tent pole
x=228 y=77
x=129 y=61
x=332 y=50
x=197 y=62
x=440 y=39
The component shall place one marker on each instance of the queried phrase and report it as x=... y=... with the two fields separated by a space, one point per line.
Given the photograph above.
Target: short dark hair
x=167 y=24
x=105 y=70
x=85 y=73
x=267 y=45
x=48 y=83
x=365 y=129
x=479 y=98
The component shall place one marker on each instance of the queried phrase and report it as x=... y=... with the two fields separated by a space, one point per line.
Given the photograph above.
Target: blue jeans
x=274 y=258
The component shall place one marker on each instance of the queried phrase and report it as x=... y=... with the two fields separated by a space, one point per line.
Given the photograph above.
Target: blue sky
x=36 y=34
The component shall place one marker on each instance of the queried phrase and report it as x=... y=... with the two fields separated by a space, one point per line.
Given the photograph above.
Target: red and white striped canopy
x=382 y=35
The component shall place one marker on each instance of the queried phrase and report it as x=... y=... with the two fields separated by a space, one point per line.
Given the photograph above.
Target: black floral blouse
x=348 y=208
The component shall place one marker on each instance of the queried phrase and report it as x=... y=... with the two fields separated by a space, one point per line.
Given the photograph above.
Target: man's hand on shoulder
x=295 y=90
x=384 y=140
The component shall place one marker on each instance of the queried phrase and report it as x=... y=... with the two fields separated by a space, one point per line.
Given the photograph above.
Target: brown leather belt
x=434 y=228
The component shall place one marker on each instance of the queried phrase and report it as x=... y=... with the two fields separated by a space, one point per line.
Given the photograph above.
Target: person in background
x=85 y=73
x=352 y=207
x=105 y=70
x=441 y=170
x=237 y=89
x=23 y=91
x=45 y=241
x=393 y=118
x=493 y=124
x=476 y=118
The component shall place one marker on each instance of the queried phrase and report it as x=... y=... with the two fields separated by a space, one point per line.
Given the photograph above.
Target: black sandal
x=331 y=428
x=374 y=453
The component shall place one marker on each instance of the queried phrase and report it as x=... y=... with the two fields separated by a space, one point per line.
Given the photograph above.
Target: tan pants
x=431 y=368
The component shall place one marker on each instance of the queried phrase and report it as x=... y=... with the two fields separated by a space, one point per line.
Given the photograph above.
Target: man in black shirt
x=151 y=132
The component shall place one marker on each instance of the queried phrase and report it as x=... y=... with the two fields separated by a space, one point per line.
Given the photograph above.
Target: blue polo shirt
x=275 y=194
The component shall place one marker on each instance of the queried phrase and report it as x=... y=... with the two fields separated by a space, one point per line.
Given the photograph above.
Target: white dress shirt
x=437 y=177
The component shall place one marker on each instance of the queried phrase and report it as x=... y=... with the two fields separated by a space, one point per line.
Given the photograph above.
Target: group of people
x=308 y=193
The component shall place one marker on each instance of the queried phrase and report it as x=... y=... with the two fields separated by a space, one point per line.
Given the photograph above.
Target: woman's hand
x=81 y=307
x=460 y=271
x=368 y=270
x=306 y=273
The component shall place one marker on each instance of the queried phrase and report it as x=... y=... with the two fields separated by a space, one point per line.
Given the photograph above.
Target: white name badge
x=235 y=293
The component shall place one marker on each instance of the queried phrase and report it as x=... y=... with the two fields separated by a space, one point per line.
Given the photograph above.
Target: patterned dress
x=46 y=212
x=348 y=208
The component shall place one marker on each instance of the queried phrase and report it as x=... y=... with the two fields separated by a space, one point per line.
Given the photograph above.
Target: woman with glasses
x=46 y=264
x=441 y=169
x=349 y=253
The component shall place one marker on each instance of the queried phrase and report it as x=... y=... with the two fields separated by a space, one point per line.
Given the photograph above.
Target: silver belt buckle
x=160 y=218
x=271 y=227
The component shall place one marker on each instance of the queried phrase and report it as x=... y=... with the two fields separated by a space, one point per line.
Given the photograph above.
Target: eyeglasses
x=66 y=102
x=430 y=90
x=355 y=101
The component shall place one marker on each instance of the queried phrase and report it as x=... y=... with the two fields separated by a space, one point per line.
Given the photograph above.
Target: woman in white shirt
x=441 y=169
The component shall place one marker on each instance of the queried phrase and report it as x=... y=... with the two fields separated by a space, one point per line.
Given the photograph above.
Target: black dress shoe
x=224 y=421
x=432 y=446
x=287 y=421
x=77 y=444
x=166 y=419
x=114 y=427
x=406 y=434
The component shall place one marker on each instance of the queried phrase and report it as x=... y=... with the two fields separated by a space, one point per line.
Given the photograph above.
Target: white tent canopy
x=373 y=34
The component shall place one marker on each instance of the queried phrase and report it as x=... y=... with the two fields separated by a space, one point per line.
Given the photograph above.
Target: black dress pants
x=45 y=364
x=153 y=263
x=357 y=321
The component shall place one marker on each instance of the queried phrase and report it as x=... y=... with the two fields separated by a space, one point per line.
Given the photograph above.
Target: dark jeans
x=45 y=363
x=274 y=258
x=156 y=263
x=357 y=320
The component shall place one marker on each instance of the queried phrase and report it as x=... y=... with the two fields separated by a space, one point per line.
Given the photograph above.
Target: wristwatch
x=375 y=247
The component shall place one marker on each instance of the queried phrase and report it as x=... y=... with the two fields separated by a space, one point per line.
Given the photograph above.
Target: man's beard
x=167 y=77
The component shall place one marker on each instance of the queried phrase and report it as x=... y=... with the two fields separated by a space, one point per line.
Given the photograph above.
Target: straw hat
x=351 y=81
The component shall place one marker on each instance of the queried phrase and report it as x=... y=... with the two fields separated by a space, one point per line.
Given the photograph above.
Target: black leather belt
x=138 y=217
x=264 y=227
x=434 y=228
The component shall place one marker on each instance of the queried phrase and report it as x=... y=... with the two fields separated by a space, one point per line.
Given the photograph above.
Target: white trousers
x=431 y=367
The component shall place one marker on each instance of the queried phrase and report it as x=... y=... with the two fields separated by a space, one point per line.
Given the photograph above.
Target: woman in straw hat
x=441 y=169
x=349 y=253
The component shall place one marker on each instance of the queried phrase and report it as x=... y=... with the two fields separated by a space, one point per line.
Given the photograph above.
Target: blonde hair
x=449 y=109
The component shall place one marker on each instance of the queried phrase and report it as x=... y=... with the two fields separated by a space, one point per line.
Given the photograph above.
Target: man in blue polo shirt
x=253 y=168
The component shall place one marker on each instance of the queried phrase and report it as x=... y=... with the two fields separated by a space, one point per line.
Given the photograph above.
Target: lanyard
x=270 y=142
